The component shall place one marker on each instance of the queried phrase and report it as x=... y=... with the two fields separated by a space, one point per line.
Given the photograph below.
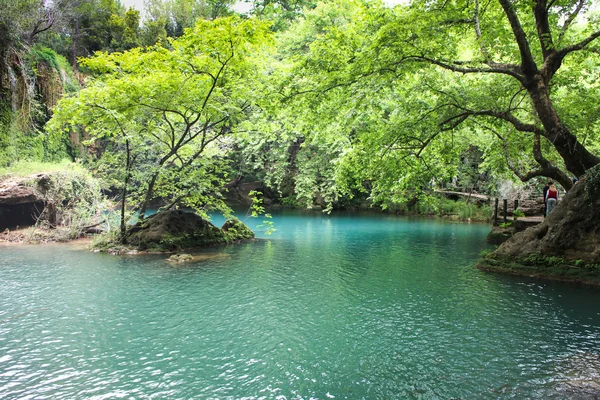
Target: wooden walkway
x=528 y=220
x=525 y=222
x=538 y=219
x=464 y=194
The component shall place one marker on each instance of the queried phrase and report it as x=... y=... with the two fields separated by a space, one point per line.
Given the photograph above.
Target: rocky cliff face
x=20 y=204
x=32 y=81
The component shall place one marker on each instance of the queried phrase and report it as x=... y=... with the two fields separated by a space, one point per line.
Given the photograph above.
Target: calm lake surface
x=345 y=307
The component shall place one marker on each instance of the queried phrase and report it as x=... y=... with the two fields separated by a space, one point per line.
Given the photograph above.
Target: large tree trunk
x=124 y=194
x=576 y=157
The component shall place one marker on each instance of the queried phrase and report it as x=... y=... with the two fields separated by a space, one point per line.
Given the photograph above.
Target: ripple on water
x=329 y=307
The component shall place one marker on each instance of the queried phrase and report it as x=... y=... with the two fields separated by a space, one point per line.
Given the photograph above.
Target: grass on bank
x=72 y=197
x=441 y=206
x=24 y=168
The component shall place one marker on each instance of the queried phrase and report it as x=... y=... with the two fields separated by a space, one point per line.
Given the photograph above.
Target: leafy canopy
x=162 y=118
x=391 y=98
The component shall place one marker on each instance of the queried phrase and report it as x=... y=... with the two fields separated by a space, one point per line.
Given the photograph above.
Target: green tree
x=153 y=31
x=408 y=89
x=165 y=116
x=125 y=30
x=25 y=19
x=281 y=12
x=177 y=15
x=83 y=27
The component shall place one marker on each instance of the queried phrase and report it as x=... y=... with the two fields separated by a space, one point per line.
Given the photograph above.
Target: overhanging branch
x=467 y=67
x=527 y=62
x=503 y=115
x=580 y=45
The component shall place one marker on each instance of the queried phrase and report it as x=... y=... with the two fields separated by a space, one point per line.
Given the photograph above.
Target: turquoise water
x=344 y=307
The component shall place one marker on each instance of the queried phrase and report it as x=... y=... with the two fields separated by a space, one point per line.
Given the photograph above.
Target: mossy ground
x=542 y=266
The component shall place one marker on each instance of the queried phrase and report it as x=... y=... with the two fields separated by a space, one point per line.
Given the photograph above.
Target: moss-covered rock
x=181 y=258
x=236 y=230
x=176 y=229
x=499 y=235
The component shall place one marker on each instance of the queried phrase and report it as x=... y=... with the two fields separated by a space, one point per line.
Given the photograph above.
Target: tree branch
x=540 y=12
x=570 y=19
x=528 y=65
x=554 y=60
x=45 y=22
x=578 y=46
x=503 y=115
x=458 y=66
x=484 y=52
x=547 y=169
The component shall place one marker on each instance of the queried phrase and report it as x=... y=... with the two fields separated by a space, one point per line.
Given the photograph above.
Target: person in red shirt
x=545 y=192
x=551 y=198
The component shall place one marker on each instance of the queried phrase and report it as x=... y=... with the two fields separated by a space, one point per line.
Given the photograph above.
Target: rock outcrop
x=571 y=231
x=178 y=229
x=20 y=202
x=237 y=192
x=181 y=258
x=565 y=246
x=17 y=191
x=500 y=234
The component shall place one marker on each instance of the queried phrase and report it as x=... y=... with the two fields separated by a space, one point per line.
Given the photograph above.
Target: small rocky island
x=175 y=230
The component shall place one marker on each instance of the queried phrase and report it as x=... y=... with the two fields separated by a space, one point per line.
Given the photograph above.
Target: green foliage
x=17 y=19
x=45 y=55
x=517 y=213
x=72 y=201
x=60 y=66
x=281 y=12
x=371 y=95
x=443 y=207
x=506 y=224
x=176 y=16
x=171 y=242
x=24 y=168
x=235 y=230
x=484 y=253
x=166 y=116
x=535 y=259
x=41 y=78
x=125 y=30
x=359 y=102
x=290 y=201
x=107 y=240
x=257 y=209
